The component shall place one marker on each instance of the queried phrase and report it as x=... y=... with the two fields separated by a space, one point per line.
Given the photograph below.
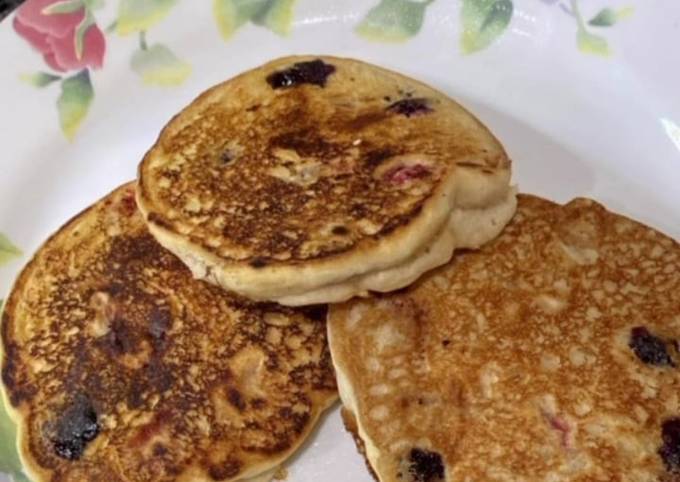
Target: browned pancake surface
x=549 y=355
x=120 y=367
x=259 y=171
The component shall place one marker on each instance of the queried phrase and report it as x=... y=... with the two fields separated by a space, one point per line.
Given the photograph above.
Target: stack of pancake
x=318 y=221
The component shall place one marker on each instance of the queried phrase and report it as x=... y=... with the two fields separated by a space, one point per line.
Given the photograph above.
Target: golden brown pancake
x=120 y=367
x=314 y=179
x=549 y=355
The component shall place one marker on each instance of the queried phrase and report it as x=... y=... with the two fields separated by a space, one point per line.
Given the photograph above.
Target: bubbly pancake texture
x=549 y=355
x=118 y=366
x=307 y=179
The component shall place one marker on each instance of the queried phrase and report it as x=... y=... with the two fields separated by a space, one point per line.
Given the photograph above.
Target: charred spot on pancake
x=236 y=399
x=410 y=106
x=76 y=427
x=12 y=370
x=159 y=376
x=160 y=321
x=253 y=108
x=649 y=348
x=446 y=342
x=154 y=376
x=364 y=120
x=120 y=339
x=359 y=211
x=226 y=157
x=375 y=158
x=258 y=262
x=159 y=220
x=316 y=312
x=340 y=230
x=159 y=450
x=225 y=470
x=670 y=449
x=135 y=396
x=305 y=142
x=425 y=466
x=114 y=288
x=314 y=72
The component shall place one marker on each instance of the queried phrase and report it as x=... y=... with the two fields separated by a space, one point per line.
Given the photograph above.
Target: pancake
x=549 y=355
x=314 y=179
x=118 y=366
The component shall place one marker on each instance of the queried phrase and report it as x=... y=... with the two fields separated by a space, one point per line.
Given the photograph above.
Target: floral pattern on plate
x=276 y=15
x=482 y=22
x=66 y=33
x=8 y=251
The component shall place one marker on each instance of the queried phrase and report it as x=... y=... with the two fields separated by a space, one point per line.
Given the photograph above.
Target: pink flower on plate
x=55 y=35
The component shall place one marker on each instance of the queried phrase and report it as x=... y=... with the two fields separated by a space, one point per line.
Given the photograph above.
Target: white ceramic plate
x=584 y=95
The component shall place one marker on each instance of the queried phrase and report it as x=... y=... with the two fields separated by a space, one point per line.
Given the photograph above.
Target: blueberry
x=76 y=427
x=650 y=349
x=670 y=450
x=410 y=107
x=313 y=72
x=425 y=466
x=258 y=262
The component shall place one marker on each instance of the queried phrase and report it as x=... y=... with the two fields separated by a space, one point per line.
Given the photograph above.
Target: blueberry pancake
x=314 y=179
x=118 y=366
x=551 y=354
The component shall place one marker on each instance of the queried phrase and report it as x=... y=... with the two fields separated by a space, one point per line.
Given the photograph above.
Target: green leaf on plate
x=137 y=15
x=624 y=13
x=10 y=463
x=9 y=456
x=74 y=102
x=608 y=16
x=587 y=42
x=230 y=15
x=94 y=4
x=39 y=79
x=111 y=27
x=66 y=6
x=277 y=16
x=157 y=65
x=20 y=477
x=483 y=22
x=605 y=18
x=393 y=20
x=592 y=44
x=8 y=250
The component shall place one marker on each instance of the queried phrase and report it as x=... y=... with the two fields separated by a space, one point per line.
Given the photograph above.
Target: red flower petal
x=58 y=24
x=51 y=60
x=94 y=47
x=36 y=39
